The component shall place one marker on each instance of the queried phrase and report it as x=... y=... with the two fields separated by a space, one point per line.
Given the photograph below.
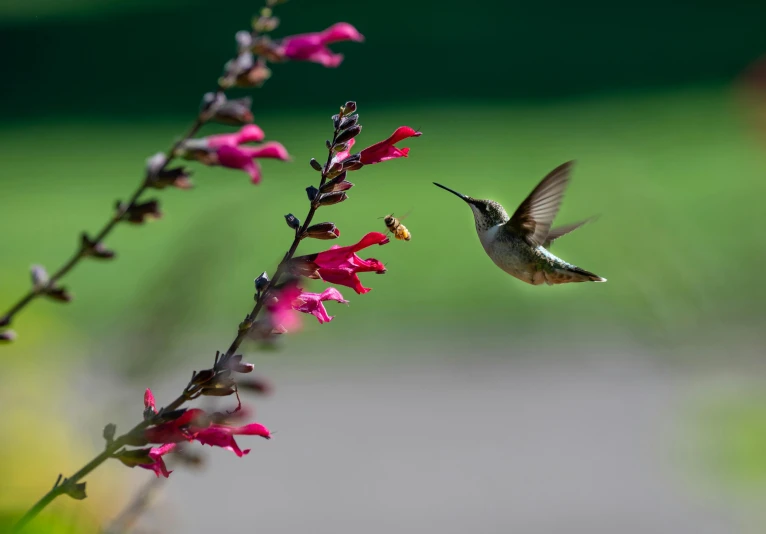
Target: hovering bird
x=519 y=244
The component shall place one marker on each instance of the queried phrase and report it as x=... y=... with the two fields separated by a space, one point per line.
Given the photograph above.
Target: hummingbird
x=519 y=244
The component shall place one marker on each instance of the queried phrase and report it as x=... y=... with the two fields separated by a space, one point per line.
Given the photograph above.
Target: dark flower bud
x=256 y=385
x=349 y=121
x=338 y=183
x=312 y=192
x=255 y=76
x=236 y=364
x=326 y=230
x=93 y=249
x=59 y=294
x=158 y=177
x=336 y=121
x=328 y=199
x=135 y=457
x=7 y=336
x=316 y=165
x=137 y=213
x=39 y=276
x=203 y=377
x=336 y=168
x=222 y=387
x=352 y=165
x=349 y=107
x=262 y=281
x=328 y=144
x=347 y=135
x=211 y=103
x=109 y=432
x=235 y=112
x=293 y=221
x=76 y=491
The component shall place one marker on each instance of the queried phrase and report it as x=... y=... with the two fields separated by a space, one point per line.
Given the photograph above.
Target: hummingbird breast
x=512 y=253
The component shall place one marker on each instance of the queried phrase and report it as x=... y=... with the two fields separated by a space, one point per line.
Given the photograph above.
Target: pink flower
x=379 y=152
x=247 y=134
x=230 y=150
x=180 y=429
x=340 y=265
x=283 y=316
x=149 y=401
x=243 y=158
x=291 y=298
x=313 y=46
x=385 y=150
x=312 y=303
x=158 y=464
x=223 y=436
x=148 y=458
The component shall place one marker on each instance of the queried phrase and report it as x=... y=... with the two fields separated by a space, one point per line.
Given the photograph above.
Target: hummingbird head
x=486 y=213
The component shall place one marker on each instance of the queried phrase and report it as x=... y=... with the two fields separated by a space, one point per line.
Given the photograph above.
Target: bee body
x=396 y=227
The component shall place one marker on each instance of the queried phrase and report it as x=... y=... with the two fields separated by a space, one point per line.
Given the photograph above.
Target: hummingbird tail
x=571 y=274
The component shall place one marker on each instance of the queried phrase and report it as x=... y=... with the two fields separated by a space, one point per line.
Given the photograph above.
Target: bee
x=396 y=227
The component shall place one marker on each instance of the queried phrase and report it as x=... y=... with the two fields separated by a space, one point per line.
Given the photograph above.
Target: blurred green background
x=644 y=97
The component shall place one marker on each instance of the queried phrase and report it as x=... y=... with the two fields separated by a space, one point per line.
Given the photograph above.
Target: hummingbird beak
x=454 y=192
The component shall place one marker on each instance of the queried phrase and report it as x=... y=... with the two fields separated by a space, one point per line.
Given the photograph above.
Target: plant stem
x=191 y=390
x=102 y=234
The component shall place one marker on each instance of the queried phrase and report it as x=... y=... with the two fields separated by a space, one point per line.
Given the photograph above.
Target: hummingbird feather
x=559 y=231
x=534 y=216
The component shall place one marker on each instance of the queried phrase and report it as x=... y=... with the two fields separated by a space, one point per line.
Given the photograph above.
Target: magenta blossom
x=340 y=265
x=381 y=151
x=230 y=150
x=312 y=303
x=158 y=464
x=196 y=424
x=313 y=46
x=291 y=298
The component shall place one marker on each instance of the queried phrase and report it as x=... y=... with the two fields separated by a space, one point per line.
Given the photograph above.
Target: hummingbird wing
x=534 y=216
x=555 y=233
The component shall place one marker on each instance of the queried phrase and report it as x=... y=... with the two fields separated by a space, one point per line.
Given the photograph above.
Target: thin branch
x=195 y=386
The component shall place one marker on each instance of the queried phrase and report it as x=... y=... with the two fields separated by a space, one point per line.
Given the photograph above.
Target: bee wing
x=534 y=216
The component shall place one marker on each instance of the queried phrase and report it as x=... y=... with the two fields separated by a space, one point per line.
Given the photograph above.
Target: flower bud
x=76 y=491
x=312 y=192
x=349 y=107
x=347 y=135
x=326 y=230
x=7 y=336
x=93 y=249
x=316 y=165
x=328 y=199
x=39 y=276
x=203 y=377
x=222 y=387
x=211 y=103
x=349 y=121
x=336 y=121
x=59 y=294
x=235 y=112
x=236 y=364
x=338 y=183
x=137 y=213
x=262 y=281
x=244 y=39
x=135 y=457
x=293 y=221
x=109 y=431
